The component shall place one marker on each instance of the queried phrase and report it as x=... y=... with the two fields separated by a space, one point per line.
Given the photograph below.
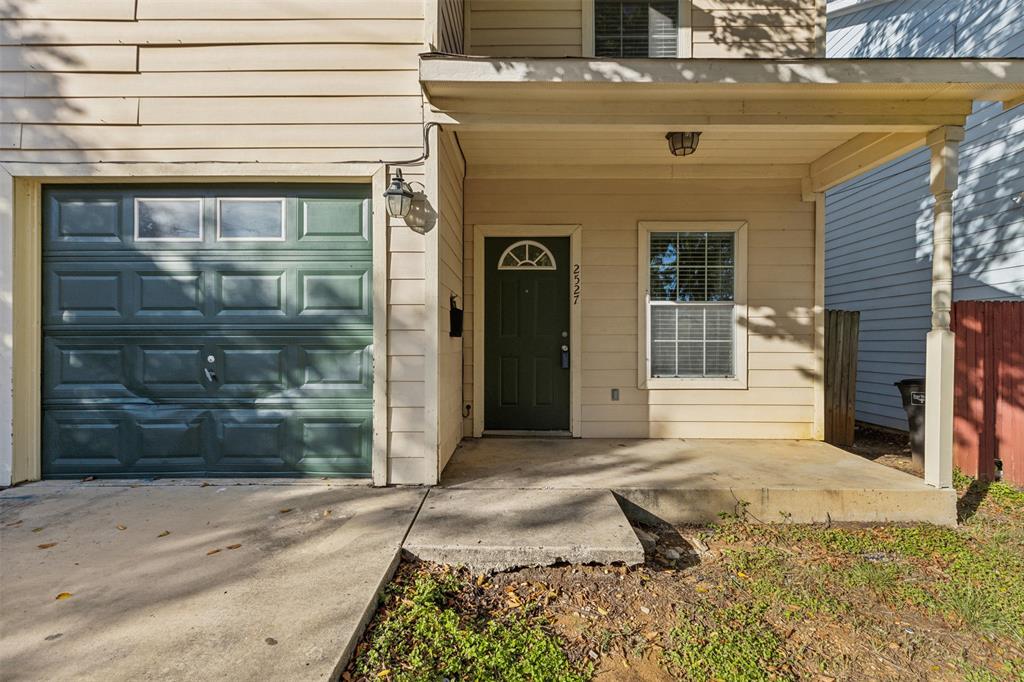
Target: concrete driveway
x=182 y=581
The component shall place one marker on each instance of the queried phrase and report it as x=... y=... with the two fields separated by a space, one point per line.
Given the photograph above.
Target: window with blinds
x=636 y=28
x=691 y=305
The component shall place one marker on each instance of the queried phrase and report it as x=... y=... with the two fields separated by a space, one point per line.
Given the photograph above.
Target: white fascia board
x=937 y=72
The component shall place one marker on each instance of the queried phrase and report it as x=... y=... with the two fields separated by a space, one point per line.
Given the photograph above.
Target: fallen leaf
x=121 y=526
x=234 y=546
x=88 y=478
x=64 y=595
x=285 y=510
x=47 y=545
x=480 y=580
x=384 y=673
x=204 y=484
x=37 y=530
x=164 y=534
x=602 y=611
x=213 y=551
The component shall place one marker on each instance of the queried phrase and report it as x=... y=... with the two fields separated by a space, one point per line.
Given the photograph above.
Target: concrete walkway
x=518 y=528
x=182 y=582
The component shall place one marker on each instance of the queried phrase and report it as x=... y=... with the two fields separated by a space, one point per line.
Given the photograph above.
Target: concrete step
x=499 y=530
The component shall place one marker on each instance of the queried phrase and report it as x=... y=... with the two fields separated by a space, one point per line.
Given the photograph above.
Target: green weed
x=421 y=636
x=730 y=643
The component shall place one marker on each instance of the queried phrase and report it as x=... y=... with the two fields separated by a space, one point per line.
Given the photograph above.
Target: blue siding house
x=878 y=234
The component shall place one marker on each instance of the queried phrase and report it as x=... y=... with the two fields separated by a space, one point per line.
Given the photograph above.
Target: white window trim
x=685 y=42
x=202 y=220
x=284 y=228
x=644 y=378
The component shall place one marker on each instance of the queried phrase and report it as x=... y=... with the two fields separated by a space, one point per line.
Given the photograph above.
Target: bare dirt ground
x=883 y=446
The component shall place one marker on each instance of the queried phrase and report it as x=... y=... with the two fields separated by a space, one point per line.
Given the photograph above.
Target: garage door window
x=257 y=219
x=168 y=220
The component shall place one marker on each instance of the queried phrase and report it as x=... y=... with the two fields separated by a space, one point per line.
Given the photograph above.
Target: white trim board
x=575 y=274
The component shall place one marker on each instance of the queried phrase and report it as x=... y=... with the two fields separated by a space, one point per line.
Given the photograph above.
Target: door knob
x=211 y=376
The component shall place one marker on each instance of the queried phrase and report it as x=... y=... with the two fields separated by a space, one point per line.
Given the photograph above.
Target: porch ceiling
x=642 y=147
x=825 y=120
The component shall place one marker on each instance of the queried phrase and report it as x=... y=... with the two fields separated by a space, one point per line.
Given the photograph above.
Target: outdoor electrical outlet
x=615 y=394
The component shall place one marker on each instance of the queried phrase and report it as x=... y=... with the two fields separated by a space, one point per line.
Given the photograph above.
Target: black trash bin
x=912 y=392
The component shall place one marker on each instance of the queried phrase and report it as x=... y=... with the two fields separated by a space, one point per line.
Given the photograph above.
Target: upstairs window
x=636 y=28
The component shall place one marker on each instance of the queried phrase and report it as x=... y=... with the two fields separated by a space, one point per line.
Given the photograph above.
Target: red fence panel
x=989 y=401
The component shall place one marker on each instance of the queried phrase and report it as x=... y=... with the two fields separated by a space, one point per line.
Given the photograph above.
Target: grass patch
x=425 y=632
x=730 y=643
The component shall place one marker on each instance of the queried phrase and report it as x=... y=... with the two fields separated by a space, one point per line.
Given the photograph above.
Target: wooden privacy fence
x=988 y=404
x=841 y=331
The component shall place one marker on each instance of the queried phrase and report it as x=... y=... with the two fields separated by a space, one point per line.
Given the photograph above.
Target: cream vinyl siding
x=715 y=28
x=779 y=401
x=265 y=88
x=765 y=28
x=450 y=281
x=525 y=28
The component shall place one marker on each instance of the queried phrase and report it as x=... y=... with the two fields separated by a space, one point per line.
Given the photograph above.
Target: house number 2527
x=576 y=286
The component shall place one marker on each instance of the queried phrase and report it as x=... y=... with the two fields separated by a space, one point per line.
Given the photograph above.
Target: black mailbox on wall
x=456 y=316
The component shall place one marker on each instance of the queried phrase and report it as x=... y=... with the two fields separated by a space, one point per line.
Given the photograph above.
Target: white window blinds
x=636 y=28
x=692 y=302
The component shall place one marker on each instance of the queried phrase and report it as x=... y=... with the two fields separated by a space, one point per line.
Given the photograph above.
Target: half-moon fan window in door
x=527 y=255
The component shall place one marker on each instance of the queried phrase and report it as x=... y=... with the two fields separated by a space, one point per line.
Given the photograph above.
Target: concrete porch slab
x=692 y=481
x=288 y=602
x=517 y=528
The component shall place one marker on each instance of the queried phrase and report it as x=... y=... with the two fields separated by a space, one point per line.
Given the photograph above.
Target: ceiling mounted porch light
x=399 y=196
x=683 y=144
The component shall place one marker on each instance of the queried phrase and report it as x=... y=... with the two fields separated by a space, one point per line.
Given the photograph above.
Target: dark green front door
x=198 y=330
x=526 y=373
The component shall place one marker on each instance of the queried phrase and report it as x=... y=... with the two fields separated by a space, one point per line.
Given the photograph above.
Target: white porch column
x=938 y=439
x=6 y=326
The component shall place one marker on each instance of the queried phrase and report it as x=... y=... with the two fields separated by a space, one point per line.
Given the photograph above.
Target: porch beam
x=938 y=441
x=859 y=155
x=766 y=123
x=611 y=170
x=440 y=70
x=675 y=103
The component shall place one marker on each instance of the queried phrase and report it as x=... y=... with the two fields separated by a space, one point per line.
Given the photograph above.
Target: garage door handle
x=211 y=376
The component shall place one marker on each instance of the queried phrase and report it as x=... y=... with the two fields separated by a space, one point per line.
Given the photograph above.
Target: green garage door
x=207 y=330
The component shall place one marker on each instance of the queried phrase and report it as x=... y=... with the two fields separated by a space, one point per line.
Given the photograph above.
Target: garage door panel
x=151 y=369
x=334 y=443
x=75 y=219
x=207 y=329
x=207 y=294
x=231 y=218
x=176 y=441
x=329 y=223
x=177 y=294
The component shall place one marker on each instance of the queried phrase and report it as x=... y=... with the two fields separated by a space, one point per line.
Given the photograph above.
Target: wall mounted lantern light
x=399 y=196
x=683 y=144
